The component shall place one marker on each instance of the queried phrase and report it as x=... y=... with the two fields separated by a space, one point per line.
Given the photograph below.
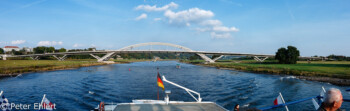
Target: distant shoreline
x=30 y=66
x=13 y=68
x=303 y=75
x=334 y=81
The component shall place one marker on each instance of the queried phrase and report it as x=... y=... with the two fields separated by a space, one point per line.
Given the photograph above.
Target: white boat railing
x=186 y=89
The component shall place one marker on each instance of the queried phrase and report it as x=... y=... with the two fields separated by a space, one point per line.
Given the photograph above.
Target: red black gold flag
x=160 y=82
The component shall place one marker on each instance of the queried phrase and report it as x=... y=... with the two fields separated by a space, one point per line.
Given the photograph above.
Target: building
x=10 y=48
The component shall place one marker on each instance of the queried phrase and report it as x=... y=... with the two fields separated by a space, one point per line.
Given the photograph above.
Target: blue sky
x=315 y=27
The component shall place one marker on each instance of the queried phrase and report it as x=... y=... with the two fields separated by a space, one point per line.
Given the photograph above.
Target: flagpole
x=41 y=104
x=157 y=84
x=284 y=102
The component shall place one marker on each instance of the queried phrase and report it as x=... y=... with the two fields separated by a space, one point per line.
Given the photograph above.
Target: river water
x=84 y=88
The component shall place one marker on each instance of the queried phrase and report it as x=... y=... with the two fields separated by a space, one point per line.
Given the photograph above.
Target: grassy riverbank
x=13 y=67
x=316 y=70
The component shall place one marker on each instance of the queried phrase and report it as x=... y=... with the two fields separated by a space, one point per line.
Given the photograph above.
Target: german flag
x=160 y=82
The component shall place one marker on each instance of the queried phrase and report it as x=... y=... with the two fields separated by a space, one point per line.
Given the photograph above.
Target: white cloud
x=211 y=23
x=142 y=16
x=220 y=35
x=219 y=31
x=225 y=29
x=186 y=17
x=16 y=42
x=77 y=45
x=149 y=8
x=4 y=43
x=49 y=43
x=157 y=19
x=202 y=20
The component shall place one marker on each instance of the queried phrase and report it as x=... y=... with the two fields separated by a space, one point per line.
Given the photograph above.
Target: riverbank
x=15 y=67
x=10 y=68
x=334 y=72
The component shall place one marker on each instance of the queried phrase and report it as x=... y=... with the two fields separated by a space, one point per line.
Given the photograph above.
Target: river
x=84 y=88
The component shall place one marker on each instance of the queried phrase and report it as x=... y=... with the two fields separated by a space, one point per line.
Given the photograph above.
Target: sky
x=315 y=27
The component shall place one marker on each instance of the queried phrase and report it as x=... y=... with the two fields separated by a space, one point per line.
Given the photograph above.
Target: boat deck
x=184 y=106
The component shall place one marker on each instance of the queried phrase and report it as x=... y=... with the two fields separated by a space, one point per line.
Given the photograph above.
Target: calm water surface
x=69 y=89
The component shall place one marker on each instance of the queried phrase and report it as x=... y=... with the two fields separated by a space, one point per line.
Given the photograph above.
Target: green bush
x=287 y=56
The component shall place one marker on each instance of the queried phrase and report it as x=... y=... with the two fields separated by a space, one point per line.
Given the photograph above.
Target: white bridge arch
x=155 y=43
x=203 y=56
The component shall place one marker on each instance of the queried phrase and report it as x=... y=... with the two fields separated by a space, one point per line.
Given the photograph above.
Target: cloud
x=225 y=29
x=142 y=16
x=220 y=35
x=202 y=20
x=4 y=43
x=211 y=23
x=149 y=8
x=157 y=19
x=186 y=17
x=49 y=43
x=17 y=42
x=77 y=45
x=218 y=31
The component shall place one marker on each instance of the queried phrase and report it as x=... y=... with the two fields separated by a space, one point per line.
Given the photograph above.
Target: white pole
x=41 y=104
x=323 y=89
x=284 y=102
x=1 y=93
x=188 y=90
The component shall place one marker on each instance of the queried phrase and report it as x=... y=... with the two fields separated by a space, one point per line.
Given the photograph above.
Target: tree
x=287 y=56
x=337 y=57
x=194 y=57
x=293 y=55
x=39 y=50
x=281 y=55
x=14 y=52
x=2 y=51
x=62 y=50
x=43 y=49
x=50 y=50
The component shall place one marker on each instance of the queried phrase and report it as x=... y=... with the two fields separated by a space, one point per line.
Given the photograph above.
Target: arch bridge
x=129 y=49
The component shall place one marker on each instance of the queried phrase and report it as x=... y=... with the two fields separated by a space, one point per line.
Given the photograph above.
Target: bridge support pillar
x=95 y=56
x=206 y=58
x=259 y=59
x=35 y=58
x=60 y=58
x=4 y=57
x=103 y=58
x=217 y=58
